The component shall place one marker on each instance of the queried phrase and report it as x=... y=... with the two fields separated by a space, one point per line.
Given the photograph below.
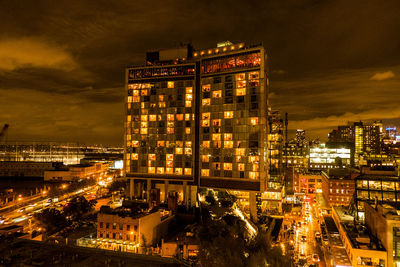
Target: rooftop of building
x=388 y=211
x=133 y=209
x=343 y=214
x=341 y=174
x=380 y=170
x=186 y=53
x=360 y=237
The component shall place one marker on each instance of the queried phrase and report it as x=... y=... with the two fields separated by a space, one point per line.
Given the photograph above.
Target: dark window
x=228 y=78
x=128 y=227
x=108 y=225
x=206 y=95
x=206 y=129
x=254 y=105
x=121 y=226
x=101 y=224
x=114 y=235
x=228 y=100
x=241 y=174
x=240 y=99
x=101 y=234
x=217 y=79
x=228 y=85
x=253 y=98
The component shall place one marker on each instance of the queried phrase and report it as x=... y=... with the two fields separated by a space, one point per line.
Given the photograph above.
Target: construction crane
x=3 y=132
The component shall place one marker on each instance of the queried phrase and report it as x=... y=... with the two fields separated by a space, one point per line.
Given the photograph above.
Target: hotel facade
x=197 y=119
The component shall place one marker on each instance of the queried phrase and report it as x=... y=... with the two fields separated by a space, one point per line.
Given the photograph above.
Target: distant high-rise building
x=197 y=118
x=300 y=137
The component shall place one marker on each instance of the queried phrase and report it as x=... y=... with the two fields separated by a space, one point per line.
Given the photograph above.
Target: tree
x=51 y=219
x=210 y=198
x=78 y=206
x=117 y=185
x=226 y=243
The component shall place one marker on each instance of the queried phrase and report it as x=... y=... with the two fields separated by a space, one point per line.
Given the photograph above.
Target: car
x=21 y=210
x=315 y=258
x=303 y=238
x=317 y=235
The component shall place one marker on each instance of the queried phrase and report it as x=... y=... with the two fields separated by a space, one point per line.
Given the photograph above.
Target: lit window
x=170 y=84
x=240 y=151
x=253 y=159
x=188 y=104
x=188 y=144
x=152 y=170
x=187 y=117
x=216 y=166
x=144 y=124
x=161 y=98
x=205 y=172
x=254 y=121
x=136 y=99
x=228 y=114
x=206 y=88
x=161 y=104
x=135 y=143
x=169 y=170
x=189 y=90
x=189 y=97
x=170 y=164
x=217 y=122
x=228 y=136
x=178 y=171
x=227 y=166
x=217 y=144
x=256 y=167
x=205 y=123
x=206 y=144
x=205 y=116
x=254 y=75
x=241 y=167
x=135 y=92
x=241 y=91
x=129 y=99
x=179 y=117
x=187 y=131
x=188 y=171
x=135 y=156
x=152 y=156
x=170 y=124
x=143 y=130
x=152 y=117
x=170 y=130
x=217 y=94
x=143 y=105
x=188 y=151
x=241 y=84
x=216 y=137
x=160 y=143
x=206 y=102
x=160 y=170
x=170 y=117
x=253 y=175
x=143 y=117
x=228 y=144
x=129 y=118
x=143 y=92
x=178 y=150
x=240 y=76
x=205 y=158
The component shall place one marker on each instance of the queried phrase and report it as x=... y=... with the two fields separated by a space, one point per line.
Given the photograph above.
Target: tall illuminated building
x=197 y=118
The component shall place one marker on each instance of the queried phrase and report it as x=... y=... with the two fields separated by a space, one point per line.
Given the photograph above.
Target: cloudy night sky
x=62 y=62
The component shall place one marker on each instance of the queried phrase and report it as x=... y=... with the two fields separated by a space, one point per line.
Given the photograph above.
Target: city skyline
x=62 y=73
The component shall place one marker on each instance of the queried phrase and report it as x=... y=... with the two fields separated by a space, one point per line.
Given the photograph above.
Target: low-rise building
x=362 y=248
x=308 y=183
x=377 y=184
x=338 y=186
x=384 y=222
x=27 y=168
x=124 y=229
x=77 y=172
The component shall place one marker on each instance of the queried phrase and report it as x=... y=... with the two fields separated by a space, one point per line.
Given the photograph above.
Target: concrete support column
x=185 y=194
x=148 y=189
x=166 y=183
x=131 y=188
x=253 y=207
